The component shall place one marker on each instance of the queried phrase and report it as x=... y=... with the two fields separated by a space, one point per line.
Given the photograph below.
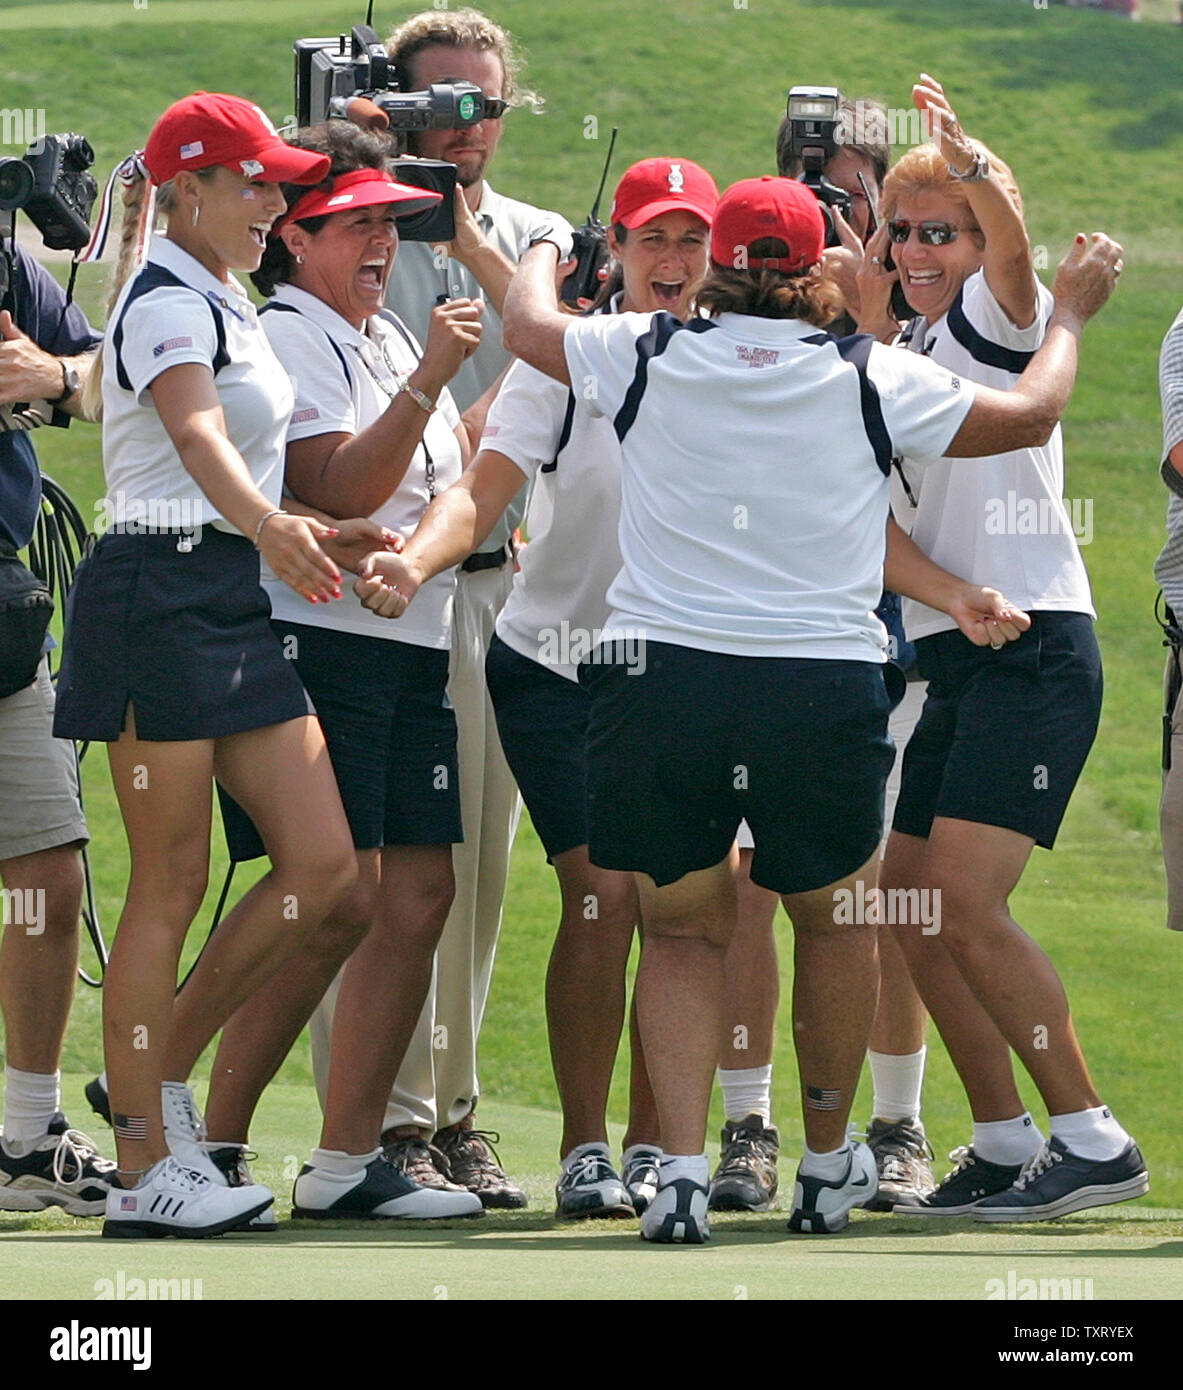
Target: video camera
x=813 y=123
x=348 y=77
x=52 y=185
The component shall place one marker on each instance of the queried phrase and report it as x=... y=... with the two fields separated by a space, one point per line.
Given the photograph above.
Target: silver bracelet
x=264 y=519
x=421 y=398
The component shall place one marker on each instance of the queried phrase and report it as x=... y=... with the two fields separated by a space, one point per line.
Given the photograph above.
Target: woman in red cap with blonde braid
x=170 y=657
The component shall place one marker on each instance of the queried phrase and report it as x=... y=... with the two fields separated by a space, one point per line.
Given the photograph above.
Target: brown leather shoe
x=474 y=1164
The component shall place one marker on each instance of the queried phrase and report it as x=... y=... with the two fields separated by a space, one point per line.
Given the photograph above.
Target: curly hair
x=770 y=294
x=348 y=147
x=463 y=28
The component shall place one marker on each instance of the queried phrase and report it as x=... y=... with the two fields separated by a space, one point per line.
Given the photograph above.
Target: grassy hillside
x=1089 y=112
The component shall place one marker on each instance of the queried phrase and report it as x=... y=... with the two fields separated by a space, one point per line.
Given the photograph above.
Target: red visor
x=360 y=188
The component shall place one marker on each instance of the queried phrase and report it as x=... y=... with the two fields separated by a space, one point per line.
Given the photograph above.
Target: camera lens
x=16 y=183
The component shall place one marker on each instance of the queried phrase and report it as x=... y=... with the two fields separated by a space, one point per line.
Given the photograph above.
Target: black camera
x=813 y=123
x=52 y=185
x=347 y=77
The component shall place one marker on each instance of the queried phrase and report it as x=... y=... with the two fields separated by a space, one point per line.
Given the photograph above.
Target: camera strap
x=1172 y=636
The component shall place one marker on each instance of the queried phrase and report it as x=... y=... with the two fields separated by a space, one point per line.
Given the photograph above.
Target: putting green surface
x=1128 y=1252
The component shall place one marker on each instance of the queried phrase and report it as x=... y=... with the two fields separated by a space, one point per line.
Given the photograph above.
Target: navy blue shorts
x=1004 y=735
x=542 y=721
x=184 y=636
x=391 y=736
x=683 y=748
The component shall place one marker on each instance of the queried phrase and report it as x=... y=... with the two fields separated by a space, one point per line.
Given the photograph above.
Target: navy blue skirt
x=184 y=636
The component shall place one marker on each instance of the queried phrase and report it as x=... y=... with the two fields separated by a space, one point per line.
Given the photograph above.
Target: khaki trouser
x=437 y=1083
x=1171 y=808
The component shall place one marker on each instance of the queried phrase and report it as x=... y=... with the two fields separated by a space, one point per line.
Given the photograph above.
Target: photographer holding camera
x=46 y=349
x=437 y=1088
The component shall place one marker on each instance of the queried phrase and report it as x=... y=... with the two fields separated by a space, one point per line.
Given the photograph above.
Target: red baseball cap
x=768 y=207
x=662 y=185
x=211 y=128
x=360 y=188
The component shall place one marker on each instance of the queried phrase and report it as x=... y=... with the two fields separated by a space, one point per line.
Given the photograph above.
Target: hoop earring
x=196 y=212
x=299 y=260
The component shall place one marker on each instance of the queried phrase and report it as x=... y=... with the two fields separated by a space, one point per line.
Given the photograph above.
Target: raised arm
x=1025 y=416
x=534 y=325
x=1007 y=262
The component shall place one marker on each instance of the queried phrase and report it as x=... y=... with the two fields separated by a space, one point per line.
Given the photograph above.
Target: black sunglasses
x=495 y=108
x=930 y=233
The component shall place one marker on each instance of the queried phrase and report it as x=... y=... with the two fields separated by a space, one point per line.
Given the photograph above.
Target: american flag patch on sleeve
x=171 y=345
x=309 y=412
x=818 y=1098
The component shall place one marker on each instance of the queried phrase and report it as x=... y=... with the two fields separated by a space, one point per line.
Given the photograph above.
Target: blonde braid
x=134 y=230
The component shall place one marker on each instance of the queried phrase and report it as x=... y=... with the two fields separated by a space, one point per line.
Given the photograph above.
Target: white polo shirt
x=147 y=484
x=998 y=520
x=754 y=490
x=558 y=606
x=344 y=380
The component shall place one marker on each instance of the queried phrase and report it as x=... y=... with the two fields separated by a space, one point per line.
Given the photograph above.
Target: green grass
x=1127 y=1252
x=1087 y=110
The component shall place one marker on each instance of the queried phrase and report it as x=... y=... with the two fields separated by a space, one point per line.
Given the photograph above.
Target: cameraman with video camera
x=46 y=350
x=437 y=1088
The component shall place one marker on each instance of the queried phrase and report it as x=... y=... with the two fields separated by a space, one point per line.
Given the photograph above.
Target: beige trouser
x=1171 y=810
x=437 y=1083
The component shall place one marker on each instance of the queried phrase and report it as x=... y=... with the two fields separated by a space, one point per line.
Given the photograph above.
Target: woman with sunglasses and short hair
x=1004 y=734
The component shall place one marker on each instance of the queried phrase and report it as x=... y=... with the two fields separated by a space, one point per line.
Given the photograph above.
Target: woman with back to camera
x=170 y=657
x=1004 y=735
x=374 y=433
x=660 y=222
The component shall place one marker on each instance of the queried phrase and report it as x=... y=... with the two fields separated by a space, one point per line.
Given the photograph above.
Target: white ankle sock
x=1009 y=1143
x=31 y=1100
x=897 y=1083
x=633 y=1149
x=828 y=1165
x=580 y=1149
x=747 y=1091
x=1093 y=1134
x=334 y=1163
x=694 y=1166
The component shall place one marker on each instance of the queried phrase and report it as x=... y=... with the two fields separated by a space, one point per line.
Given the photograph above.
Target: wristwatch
x=978 y=171
x=71 y=382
